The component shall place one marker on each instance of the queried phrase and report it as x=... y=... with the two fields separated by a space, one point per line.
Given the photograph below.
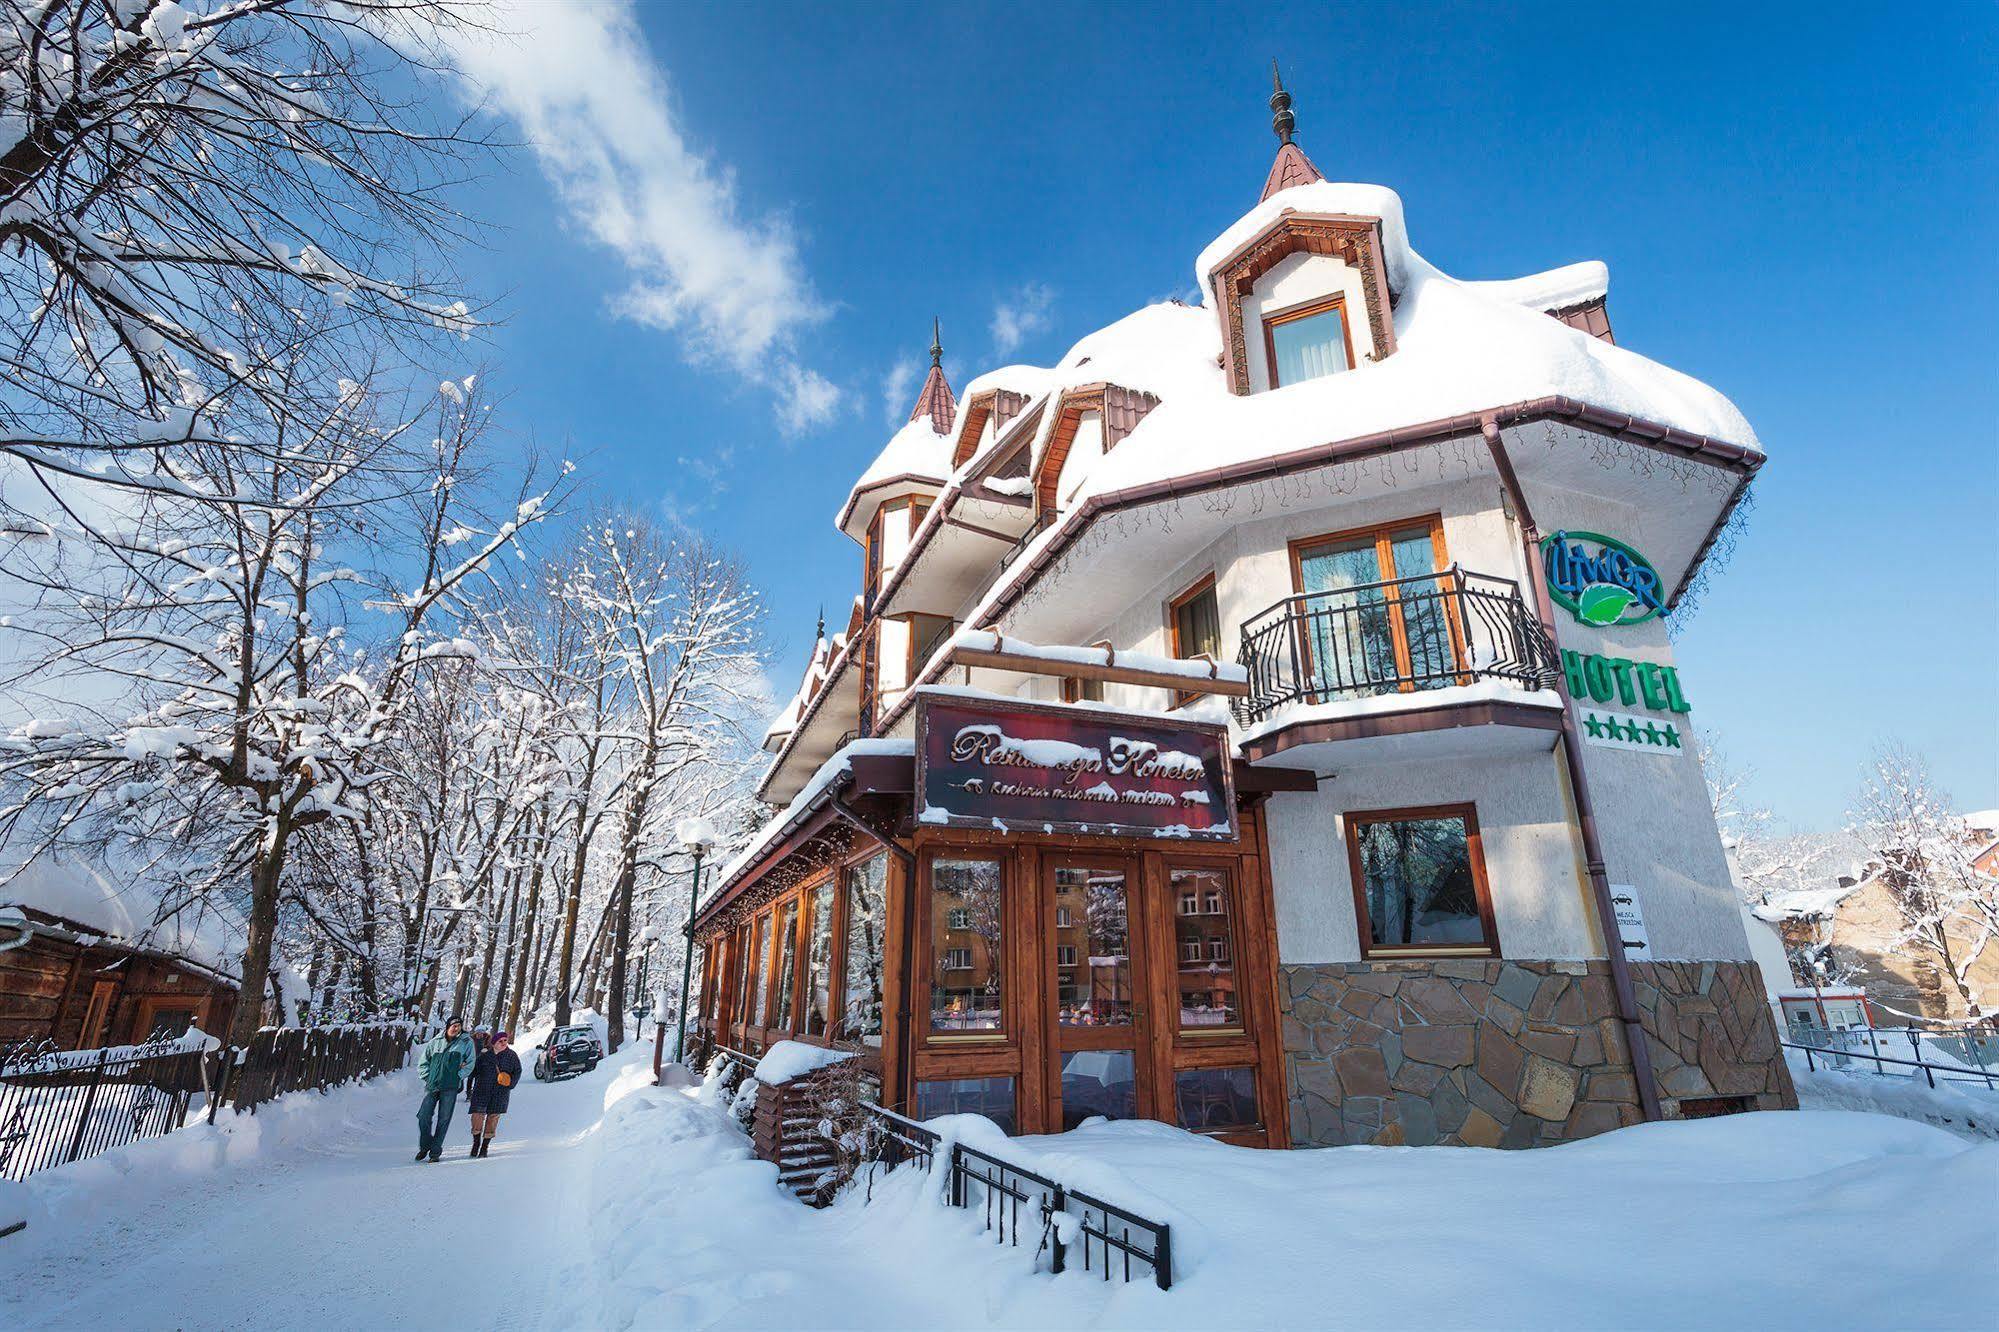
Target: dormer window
x=1307 y=341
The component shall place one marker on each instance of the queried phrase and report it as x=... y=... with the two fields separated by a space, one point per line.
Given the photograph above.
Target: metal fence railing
x=59 y=1106
x=1015 y=1203
x=1401 y=634
x=1843 y=1052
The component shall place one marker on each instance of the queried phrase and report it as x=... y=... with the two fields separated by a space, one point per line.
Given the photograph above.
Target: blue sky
x=719 y=265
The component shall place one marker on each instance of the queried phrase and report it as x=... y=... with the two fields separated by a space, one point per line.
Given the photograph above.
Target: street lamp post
x=695 y=838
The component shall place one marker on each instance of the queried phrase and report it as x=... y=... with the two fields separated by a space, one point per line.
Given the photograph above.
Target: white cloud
x=806 y=399
x=1020 y=316
x=899 y=389
x=587 y=94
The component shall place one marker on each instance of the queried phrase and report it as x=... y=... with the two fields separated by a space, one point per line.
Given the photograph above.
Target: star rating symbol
x=1594 y=726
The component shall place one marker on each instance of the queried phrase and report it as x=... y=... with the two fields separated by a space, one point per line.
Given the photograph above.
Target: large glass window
x=1197 y=628
x=1093 y=986
x=1207 y=949
x=1307 y=344
x=787 y=963
x=739 y=1009
x=967 y=966
x=818 y=962
x=1420 y=880
x=1213 y=1099
x=991 y=1097
x=1376 y=620
x=759 y=992
x=861 y=987
x=1098 y=1082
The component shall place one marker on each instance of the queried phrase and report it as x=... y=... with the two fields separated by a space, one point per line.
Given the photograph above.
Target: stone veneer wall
x=1490 y=1053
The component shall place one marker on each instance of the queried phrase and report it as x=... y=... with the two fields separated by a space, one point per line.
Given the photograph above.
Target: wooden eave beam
x=1062 y=670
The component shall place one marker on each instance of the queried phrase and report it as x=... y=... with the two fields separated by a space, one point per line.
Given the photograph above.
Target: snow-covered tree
x=252 y=711
x=1763 y=859
x=185 y=190
x=1948 y=908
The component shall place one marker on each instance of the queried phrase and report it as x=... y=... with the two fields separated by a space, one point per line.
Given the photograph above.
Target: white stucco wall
x=1296 y=279
x=1654 y=817
x=1531 y=861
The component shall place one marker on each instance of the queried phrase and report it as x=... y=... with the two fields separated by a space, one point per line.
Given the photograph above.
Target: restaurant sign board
x=1026 y=767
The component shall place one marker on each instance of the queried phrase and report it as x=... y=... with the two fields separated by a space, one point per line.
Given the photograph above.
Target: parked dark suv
x=567 y=1052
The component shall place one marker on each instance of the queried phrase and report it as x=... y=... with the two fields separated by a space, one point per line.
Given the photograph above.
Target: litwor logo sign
x=1600 y=580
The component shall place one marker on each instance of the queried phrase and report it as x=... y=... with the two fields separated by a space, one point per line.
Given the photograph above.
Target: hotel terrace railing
x=1398 y=635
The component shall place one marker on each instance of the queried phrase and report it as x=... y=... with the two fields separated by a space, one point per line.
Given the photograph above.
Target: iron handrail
x=1951 y=1073
x=1004 y=1188
x=1395 y=634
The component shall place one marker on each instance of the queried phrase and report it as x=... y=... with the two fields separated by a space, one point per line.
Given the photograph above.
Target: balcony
x=1381 y=645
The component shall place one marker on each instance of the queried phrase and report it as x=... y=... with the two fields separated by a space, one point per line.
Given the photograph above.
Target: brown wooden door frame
x=1138 y=1037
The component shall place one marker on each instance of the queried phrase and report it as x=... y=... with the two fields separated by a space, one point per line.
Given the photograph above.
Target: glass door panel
x=1350 y=637
x=1100 y=1021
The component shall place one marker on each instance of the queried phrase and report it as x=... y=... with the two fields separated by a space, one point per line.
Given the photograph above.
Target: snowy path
x=333 y=1224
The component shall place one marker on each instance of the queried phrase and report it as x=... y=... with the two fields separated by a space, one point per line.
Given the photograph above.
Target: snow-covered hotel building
x=1264 y=720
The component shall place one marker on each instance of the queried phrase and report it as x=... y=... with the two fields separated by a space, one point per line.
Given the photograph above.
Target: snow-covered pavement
x=610 y=1203
x=313 y=1214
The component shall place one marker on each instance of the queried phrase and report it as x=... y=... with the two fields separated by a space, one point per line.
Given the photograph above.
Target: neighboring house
x=1858 y=925
x=86 y=961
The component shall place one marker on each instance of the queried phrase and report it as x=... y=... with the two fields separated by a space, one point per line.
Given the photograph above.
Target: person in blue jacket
x=447 y=1063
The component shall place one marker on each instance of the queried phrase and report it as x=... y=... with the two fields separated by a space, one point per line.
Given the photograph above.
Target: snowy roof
x=830 y=772
x=916 y=450
x=1556 y=289
x=1806 y=903
x=1460 y=347
x=126 y=910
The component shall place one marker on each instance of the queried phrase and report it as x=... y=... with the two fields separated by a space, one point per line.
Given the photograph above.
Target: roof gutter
x=1599 y=875
x=1637 y=430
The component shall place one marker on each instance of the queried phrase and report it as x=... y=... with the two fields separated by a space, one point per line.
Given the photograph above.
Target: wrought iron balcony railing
x=1398 y=635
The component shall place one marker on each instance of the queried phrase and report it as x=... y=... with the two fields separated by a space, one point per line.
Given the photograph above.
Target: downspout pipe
x=1599 y=876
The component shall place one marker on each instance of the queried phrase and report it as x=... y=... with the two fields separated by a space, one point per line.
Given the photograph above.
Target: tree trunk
x=263 y=924
x=507 y=956
x=527 y=947
x=621 y=933
x=569 y=909
x=492 y=945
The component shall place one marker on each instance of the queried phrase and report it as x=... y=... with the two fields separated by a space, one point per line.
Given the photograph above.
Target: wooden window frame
x=1205 y=583
x=1231 y=914
x=1077 y=690
x=842 y=912
x=925 y=968
x=1354 y=820
x=1291 y=314
x=97 y=1015
x=917 y=663
x=1383 y=536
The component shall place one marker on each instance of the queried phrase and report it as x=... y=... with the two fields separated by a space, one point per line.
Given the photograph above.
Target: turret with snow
x=1382 y=558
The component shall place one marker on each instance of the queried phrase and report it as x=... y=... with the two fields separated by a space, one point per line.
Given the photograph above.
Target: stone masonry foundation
x=1492 y=1053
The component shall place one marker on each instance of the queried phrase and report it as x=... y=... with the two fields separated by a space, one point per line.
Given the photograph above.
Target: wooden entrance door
x=1100 y=1051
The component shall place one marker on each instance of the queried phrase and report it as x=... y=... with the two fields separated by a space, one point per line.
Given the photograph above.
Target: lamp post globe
x=695 y=837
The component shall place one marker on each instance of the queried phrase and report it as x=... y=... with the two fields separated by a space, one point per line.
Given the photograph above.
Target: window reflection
x=1093 y=952
x=967 y=961
x=991 y=1097
x=819 y=977
x=787 y=963
x=1098 y=1082
x=1206 y=950
x=861 y=988
x=759 y=992
x=1210 y=1099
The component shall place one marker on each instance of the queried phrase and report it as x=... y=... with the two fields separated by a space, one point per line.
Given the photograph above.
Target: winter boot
x=485 y=1145
x=475 y=1147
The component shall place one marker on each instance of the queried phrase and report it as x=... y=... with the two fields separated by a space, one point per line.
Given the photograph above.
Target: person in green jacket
x=447 y=1061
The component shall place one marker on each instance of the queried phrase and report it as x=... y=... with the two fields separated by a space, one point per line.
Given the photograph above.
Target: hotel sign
x=1600 y=580
x=1025 y=767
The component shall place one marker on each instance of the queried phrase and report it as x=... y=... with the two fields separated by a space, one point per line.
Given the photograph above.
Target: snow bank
x=794 y=1059
x=1654 y=1226
x=1967 y=1109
